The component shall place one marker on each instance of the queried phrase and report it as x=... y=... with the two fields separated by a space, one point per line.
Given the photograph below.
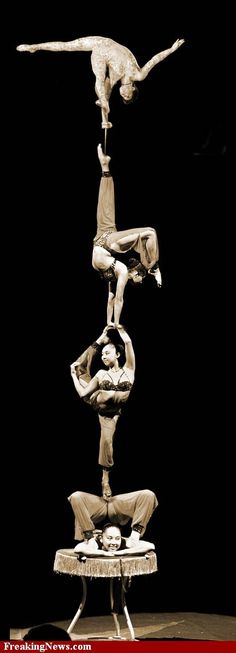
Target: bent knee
x=75 y=497
x=152 y=231
x=151 y=495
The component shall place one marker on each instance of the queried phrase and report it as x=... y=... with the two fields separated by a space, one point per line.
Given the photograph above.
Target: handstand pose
x=106 y=392
x=111 y=62
x=109 y=242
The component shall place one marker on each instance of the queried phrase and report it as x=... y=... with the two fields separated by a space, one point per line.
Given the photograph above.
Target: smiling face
x=135 y=276
x=111 y=538
x=109 y=355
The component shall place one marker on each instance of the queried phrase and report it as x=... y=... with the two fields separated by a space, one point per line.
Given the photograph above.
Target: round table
x=120 y=567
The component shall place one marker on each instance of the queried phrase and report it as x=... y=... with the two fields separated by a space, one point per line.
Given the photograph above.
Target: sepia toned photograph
x=122 y=326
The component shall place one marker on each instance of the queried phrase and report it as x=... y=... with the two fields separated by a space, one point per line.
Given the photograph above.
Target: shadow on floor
x=151 y=626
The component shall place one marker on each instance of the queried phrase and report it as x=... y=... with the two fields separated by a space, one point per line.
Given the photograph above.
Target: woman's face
x=111 y=538
x=126 y=92
x=135 y=276
x=109 y=355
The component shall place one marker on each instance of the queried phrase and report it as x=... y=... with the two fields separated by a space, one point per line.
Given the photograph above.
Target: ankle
x=154 y=268
x=105 y=473
x=88 y=535
x=137 y=529
x=106 y=490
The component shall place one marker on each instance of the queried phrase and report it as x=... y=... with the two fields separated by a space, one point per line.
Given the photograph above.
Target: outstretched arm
x=129 y=350
x=140 y=548
x=142 y=74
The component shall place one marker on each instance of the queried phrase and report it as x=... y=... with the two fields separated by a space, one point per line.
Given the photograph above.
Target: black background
x=171 y=165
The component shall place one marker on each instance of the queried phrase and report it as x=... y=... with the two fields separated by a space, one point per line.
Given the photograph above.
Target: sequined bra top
x=123 y=386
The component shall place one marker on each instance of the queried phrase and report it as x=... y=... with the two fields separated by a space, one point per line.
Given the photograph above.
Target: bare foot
x=157 y=276
x=103 y=158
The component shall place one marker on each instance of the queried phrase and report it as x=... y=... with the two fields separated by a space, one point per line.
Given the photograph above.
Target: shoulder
x=120 y=267
x=129 y=373
x=100 y=374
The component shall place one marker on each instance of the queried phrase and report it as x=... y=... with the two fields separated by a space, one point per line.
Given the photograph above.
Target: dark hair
x=109 y=525
x=46 y=632
x=119 y=350
x=135 y=264
x=134 y=96
x=118 y=347
x=107 y=275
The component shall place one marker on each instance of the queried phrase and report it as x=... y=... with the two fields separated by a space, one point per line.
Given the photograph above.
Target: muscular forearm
x=140 y=548
x=86 y=391
x=110 y=308
x=129 y=355
x=129 y=351
x=101 y=92
x=118 y=305
x=77 y=385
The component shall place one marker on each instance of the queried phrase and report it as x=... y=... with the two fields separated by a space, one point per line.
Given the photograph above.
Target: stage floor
x=174 y=625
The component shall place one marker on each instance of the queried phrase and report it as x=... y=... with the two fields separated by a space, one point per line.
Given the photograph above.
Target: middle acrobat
x=108 y=391
x=108 y=243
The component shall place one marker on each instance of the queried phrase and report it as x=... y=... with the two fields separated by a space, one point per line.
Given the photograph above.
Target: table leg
x=115 y=616
x=125 y=610
x=128 y=620
x=81 y=607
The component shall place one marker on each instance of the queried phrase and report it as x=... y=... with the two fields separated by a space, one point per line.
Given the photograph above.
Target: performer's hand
x=108 y=326
x=104 y=338
x=72 y=368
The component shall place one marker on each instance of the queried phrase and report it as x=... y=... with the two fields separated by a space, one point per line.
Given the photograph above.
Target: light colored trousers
x=90 y=510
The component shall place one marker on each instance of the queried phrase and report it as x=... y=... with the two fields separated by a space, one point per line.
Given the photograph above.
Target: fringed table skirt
x=118 y=569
